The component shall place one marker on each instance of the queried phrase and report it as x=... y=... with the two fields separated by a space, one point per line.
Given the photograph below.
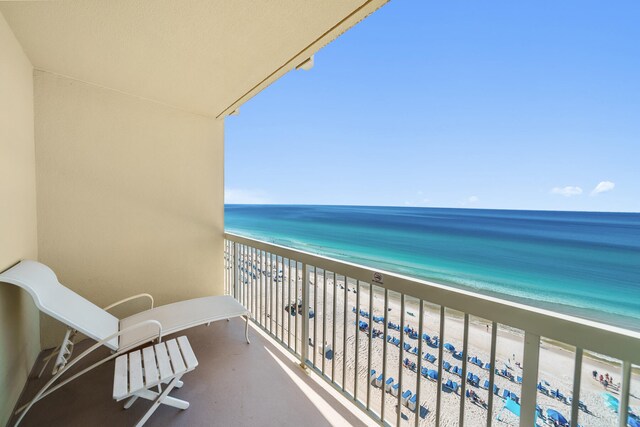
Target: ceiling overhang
x=206 y=57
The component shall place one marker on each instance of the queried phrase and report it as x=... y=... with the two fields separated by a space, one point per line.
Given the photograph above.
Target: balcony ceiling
x=201 y=56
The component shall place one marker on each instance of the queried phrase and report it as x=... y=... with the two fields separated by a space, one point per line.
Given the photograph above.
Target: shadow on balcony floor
x=235 y=384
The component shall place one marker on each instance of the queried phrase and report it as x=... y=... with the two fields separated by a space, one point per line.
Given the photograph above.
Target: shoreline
x=604 y=317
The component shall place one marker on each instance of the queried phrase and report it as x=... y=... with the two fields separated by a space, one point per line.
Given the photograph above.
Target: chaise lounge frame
x=119 y=335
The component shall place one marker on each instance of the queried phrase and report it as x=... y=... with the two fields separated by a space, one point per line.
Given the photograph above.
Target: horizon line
x=423 y=207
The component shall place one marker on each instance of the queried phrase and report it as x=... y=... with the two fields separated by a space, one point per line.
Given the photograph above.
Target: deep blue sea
x=580 y=263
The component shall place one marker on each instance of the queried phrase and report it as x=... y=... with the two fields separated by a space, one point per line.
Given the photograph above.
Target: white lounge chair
x=119 y=335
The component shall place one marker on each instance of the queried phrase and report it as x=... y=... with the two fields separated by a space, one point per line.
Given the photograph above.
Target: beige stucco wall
x=19 y=326
x=130 y=195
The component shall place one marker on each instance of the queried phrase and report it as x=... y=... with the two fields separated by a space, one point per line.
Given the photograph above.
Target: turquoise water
x=580 y=263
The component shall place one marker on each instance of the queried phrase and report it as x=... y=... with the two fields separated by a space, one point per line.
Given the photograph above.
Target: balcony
x=371 y=342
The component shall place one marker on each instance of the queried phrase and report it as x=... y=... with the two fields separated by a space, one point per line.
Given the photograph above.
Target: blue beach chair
x=405 y=397
x=412 y=403
x=388 y=384
x=394 y=389
x=378 y=381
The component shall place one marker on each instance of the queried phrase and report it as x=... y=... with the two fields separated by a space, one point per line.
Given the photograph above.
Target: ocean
x=581 y=263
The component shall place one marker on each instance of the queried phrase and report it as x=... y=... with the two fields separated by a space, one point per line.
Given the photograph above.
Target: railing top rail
x=598 y=337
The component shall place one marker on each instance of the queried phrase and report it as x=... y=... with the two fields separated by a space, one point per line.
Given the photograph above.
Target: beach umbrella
x=512 y=406
x=557 y=416
x=449 y=347
x=611 y=401
x=633 y=422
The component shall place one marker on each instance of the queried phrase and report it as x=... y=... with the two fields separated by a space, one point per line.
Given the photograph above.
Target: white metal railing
x=302 y=299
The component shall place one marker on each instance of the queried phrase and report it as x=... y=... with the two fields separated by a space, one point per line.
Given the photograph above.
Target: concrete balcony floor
x=235 y=384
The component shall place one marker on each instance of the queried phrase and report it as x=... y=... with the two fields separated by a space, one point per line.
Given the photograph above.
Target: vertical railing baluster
x=440 y=358
x=254 y=286
x=400 y=354
x=234 y=281
x=245 y=278
x=333 y=328
x=492 y=371
x=577 y=378
x=529 y=379
x=344 y=333
x=236 y=271
x=370 y=345
x=289 y=303
x=265 y=284
x=357 y=350
x=275 y=293
x=245 y=300
x=304 y=351
x=281 y=281
x=274 y=299
x=463 y=388
x=384 y=352
x=315 y=315
x=259 y=284
x=624 y=394
x=263 y=290
x=419 y=369
x=269 y=289
x=324 y=318
x=252 y=280
x=226 y=267
x=285 y=296
x=239 y=274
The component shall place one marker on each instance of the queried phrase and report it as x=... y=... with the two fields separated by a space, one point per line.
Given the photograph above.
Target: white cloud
x=603 y=187
x=471 y=200
x=245 y=197
x=419 y=201
x=567 y=191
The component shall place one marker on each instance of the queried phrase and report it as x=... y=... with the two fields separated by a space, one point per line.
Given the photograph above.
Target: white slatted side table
x=164 y=363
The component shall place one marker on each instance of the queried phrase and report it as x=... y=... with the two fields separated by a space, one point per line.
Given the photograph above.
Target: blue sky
x=509 y=105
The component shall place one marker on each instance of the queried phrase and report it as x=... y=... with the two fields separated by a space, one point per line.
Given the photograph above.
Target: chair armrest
x=129 y=299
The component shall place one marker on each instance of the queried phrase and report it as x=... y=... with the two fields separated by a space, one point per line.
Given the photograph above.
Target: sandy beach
x=556 y=363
